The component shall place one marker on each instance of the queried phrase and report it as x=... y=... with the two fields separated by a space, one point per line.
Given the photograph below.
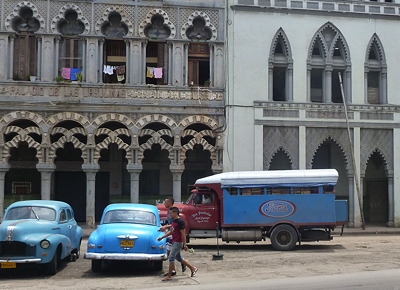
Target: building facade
x=105 y=101
x=290 y=65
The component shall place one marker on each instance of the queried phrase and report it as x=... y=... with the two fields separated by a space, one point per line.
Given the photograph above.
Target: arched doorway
x=375 y=201
x=70 y=180
x=330 y=155
x=280 y=161
x=22 y=181
x=156 y=178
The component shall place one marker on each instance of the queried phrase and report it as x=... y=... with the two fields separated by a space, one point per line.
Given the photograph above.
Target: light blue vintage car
x=41 y=232
x=127 y=232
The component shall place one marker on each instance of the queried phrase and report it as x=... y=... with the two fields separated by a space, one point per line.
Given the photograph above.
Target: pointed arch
x=382 y=155
x=280 y=72
x=274 y=155
x=375 y=67
x=328 y=57
x=148 y=21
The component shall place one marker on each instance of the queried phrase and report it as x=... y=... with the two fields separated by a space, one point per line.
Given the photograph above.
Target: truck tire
x=284 y=238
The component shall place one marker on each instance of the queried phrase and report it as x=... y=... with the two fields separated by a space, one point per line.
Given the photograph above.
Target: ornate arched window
x=71 y=45
x=25 y=45
x=280 y=69
x=157 y=52
x=375 y=73
x=328 y=64
x=114 y=28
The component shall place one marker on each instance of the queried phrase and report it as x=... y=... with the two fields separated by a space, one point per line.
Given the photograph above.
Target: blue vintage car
x=127 y=232
x=41 y=232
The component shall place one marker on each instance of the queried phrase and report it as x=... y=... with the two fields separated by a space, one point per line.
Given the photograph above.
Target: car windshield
x=189 y=198
x=31 y=212
x=130 y=216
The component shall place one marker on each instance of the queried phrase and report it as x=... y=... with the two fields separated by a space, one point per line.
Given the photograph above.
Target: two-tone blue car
x=40 y=232
x=127 y=232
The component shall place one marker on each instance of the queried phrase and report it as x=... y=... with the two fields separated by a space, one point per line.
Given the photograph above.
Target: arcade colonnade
x=91 y=136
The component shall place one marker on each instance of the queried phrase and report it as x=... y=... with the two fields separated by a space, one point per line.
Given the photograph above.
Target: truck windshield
x=189 y=198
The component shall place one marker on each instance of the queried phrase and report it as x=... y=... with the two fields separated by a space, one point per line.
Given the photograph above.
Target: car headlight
x=45 y=244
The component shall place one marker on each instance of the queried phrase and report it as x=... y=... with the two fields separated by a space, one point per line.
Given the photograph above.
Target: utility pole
x=352 y=154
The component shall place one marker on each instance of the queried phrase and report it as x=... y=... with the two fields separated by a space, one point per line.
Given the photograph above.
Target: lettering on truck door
x=203 y=211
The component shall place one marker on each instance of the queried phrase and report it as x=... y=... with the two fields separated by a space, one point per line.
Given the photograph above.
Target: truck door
x=204 y=211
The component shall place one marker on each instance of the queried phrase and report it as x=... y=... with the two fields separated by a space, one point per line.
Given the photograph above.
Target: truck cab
x=200 y=213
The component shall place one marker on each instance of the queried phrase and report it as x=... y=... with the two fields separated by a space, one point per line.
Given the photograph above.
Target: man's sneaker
x=183 y=267
x=173 y=273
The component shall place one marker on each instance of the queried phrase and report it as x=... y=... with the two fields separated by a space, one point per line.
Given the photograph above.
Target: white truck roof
x=309 y=176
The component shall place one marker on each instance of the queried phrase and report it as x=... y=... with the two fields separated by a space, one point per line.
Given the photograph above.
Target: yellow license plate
x=8 y=265
x=126 y=244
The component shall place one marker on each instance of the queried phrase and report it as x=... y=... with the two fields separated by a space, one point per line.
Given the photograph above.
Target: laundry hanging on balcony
x=154 y=72
x=70 y=73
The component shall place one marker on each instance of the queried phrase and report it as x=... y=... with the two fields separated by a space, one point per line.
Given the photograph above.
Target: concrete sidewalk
x=369 y=230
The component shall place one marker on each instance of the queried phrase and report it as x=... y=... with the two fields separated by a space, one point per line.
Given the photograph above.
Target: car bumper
x=137 y=257
x=22 y=261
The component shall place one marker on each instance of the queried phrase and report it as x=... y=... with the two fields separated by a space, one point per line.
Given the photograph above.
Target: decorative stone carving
x=379 y=140
x=276 y=138
x=16 y=14
x=148 y=22
x=207 y=21
x=61 y=15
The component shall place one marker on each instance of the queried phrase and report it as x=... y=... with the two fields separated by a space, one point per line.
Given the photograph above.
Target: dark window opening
x=373 y=87
x=114 y=61
x=156 y=63
x=199 y=64
x=279 y=84
x=336 y=89
x=316 y=85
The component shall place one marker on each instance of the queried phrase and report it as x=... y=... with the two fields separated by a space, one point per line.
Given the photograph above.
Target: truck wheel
x=96 y=265
x=284 y=238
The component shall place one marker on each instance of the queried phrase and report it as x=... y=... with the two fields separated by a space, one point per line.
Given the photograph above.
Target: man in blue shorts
x=168 y=203
x=177 y=230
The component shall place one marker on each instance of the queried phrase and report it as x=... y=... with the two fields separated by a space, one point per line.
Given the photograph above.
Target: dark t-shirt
x=177 y=225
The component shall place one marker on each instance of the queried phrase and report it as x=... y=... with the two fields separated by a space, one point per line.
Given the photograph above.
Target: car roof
x=55 y=204
x=127 y=206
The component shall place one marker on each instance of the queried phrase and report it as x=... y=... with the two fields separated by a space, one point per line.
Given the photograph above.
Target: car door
x=66 y=227
x=203 y=215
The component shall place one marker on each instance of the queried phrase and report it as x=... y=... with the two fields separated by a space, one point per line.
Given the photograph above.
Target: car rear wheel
x=97 y=265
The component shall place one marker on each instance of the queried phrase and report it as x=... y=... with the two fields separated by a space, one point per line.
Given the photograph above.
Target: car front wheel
x=51 y=268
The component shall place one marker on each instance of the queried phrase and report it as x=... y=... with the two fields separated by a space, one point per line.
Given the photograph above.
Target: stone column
x=39 y=58
x=178 y=64
x=390 y=222
x=270 y=82
x=134 y=77
x=11 y=57
x=45 y=171
x=177 y=184
x=90 y=169
x=218 y=66
x=327 y=94
x=4 y=61
x=383 y=87
x=3 y=170
x=289 y=83
x=134 y=170
x=100 y=61
x=91 y=65
x=48 y=68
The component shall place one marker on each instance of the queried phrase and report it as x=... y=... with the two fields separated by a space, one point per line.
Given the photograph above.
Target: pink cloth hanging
x=158 y=72
x=66 y=73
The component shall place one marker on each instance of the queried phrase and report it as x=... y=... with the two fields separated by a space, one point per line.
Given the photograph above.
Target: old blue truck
x=286 y=206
